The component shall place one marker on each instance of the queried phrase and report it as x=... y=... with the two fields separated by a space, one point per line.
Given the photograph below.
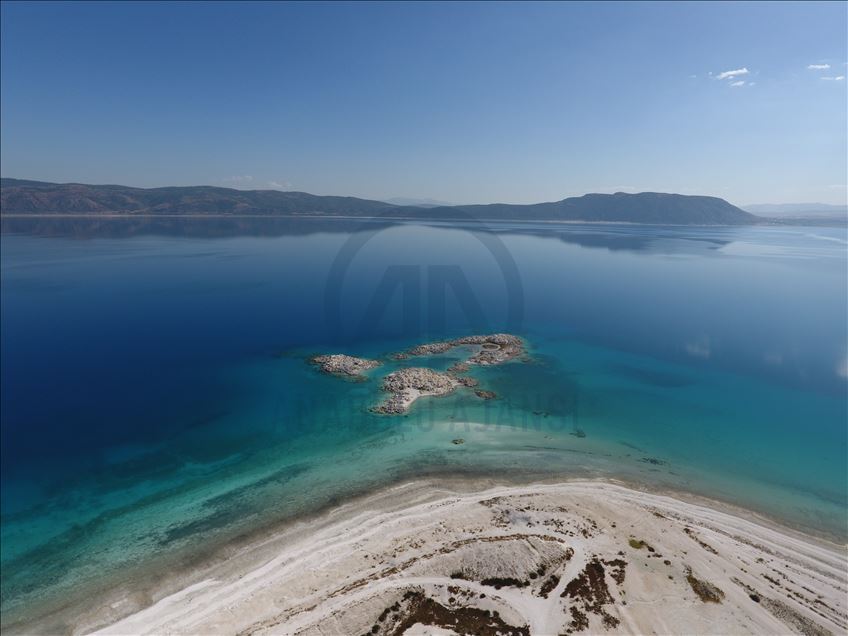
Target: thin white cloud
x=818 y=67
x=735 y=73
x=285 y=185
x=739 y=83
x=832 y=78
x=244 y=178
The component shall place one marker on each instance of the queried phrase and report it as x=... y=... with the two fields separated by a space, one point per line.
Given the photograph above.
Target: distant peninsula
x=32 y=198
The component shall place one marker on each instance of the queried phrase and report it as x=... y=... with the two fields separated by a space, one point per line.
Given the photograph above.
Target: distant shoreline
x=771 y=222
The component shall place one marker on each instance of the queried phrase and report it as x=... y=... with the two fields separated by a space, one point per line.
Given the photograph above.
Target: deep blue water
x=155 y=388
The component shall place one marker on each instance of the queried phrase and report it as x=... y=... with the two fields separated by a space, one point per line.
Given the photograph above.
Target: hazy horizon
x=428 y=202
x=467 y=103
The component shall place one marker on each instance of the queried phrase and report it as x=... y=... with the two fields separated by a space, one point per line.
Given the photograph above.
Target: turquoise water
x=157 y=400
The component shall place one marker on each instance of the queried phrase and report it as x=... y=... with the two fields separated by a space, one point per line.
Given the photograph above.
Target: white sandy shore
x=540 y=559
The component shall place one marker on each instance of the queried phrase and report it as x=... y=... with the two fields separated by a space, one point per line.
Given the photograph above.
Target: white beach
x=427 y=558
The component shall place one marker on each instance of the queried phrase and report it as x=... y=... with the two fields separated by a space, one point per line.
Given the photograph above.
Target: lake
x=158 y=400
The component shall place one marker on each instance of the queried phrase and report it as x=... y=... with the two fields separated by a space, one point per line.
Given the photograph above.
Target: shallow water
x=156 y=390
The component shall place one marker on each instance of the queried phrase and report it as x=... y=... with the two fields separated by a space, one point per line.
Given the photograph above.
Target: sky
x=464 y=103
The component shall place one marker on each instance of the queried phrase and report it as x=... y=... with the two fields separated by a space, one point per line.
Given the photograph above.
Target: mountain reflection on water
x=614 y=237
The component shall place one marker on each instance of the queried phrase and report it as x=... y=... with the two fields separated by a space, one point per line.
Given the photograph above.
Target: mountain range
x=22 y=197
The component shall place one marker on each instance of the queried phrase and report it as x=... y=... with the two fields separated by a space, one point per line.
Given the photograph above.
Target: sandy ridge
x=468 y=556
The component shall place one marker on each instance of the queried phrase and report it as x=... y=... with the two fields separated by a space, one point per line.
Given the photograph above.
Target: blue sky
x=459 y=102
